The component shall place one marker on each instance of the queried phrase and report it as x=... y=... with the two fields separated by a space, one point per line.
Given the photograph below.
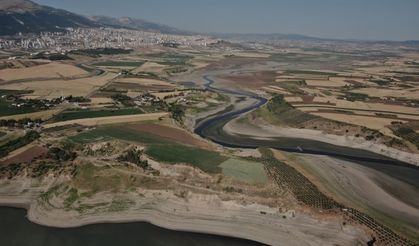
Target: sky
x=341 y=19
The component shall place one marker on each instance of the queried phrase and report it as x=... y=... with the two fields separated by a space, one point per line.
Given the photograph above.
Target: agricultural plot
x=61 y=87
x=48 y=71
x=119 y=64
x=308 y=194
x=140 y=84
x=246 y=171
x=158 y=148
x=169 y=59
x=85 y=114
x=6 y=109
x=150 y=67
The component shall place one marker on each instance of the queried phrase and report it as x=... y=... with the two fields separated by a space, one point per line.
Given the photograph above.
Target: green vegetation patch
x=158 y=148
x=279 y=111
x=170 y=58
x=119 y=63
x=205 y=160
x=408 y=134
x=85 y=114
x=247 y=171
x=100 y=51
x=18 y=143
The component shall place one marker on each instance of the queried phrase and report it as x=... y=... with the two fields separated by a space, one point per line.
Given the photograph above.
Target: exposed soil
x=26 y=156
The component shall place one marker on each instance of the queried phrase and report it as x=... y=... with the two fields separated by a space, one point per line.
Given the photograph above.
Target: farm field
x=83 y=114
x=97 y=121
x=26 y=155
x=118 y=64
x=57 y=88
x=157 y=147
x=246 y=171
x=48 y=71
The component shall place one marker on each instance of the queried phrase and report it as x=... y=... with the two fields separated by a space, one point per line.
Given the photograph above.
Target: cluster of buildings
x=90 y=38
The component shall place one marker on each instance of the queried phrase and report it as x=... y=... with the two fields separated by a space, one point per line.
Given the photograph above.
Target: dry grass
x=57 y=88
x=378 y=92
x=326 y=83
x=146 y=82
x=150 y=67
x=367 y=121
x=51 y=70
x=44 y=115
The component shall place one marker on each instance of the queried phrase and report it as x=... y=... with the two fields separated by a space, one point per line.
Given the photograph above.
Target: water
x=16 y=230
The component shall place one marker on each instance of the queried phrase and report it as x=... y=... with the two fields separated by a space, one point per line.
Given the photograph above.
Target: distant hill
x=28 y=17
x=25 y=16
x=136 y=24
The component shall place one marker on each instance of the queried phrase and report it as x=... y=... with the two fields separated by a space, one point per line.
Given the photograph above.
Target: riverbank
x=267 y=131
x=193 y=213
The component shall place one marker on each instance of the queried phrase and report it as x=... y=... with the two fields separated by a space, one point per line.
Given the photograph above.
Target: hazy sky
x=350 y=19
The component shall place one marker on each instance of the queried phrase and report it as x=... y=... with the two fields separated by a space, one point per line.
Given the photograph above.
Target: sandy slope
x=201 y=213
x=268 y=131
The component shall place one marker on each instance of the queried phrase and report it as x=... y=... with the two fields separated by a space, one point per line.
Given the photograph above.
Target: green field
x=84 y=114
x=246 y=171
x=119 y=63
x=170 y=59
x=6 y=109
x=280 y=112
x=158 y=148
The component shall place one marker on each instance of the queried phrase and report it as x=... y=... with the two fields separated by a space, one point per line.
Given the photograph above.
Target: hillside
x=28 y=17
x=135 y=24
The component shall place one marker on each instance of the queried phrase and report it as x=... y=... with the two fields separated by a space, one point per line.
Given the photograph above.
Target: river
x=16 y=230
x=212 y=128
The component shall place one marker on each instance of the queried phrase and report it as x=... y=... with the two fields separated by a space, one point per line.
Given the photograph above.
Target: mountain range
x=25 y=16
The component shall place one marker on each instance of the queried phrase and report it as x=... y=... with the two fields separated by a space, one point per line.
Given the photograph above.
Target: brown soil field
x=26 y=156
x=51 y=70
x=254 y=80
x=378 y=92
x=171 y=133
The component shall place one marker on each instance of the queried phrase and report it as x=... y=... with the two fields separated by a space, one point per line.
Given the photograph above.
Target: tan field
x=275 y=89
x=378 y=92
x=56 y=88
x=151 y=67
x=145 y=81
x=293 y=99
x=44 y=115
x=162 y=95
x=110 y=120
x=364 y=105
x=367 y=121
x=51 y=70
x=326 y=83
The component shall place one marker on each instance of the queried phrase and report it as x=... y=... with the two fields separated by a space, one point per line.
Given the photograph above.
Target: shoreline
x=206 y=215
x=269 y=131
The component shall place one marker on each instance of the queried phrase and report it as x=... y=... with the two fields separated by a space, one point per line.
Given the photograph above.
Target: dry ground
x=51 y=70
